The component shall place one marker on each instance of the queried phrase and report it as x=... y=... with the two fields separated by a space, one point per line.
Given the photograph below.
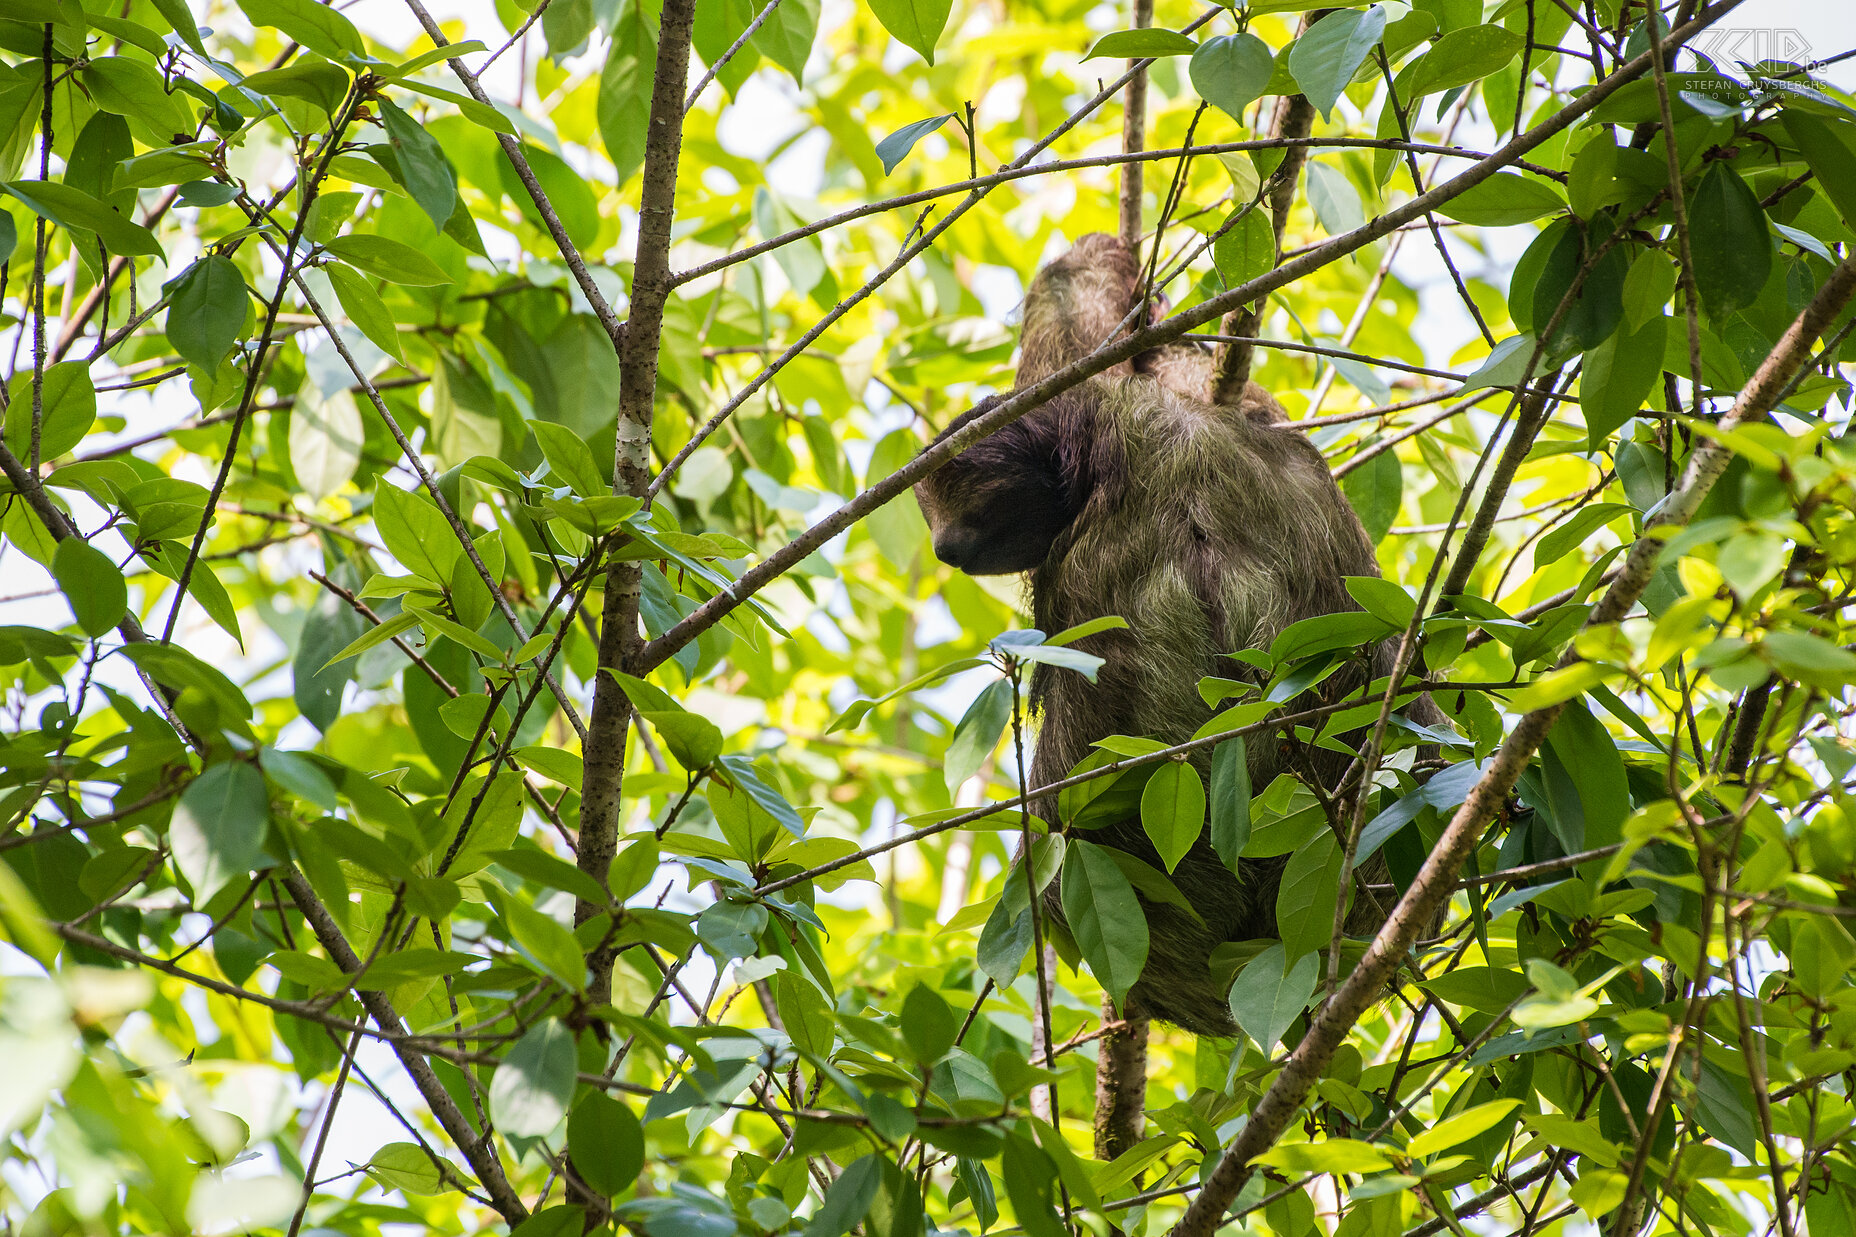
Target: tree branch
x=1437 y=878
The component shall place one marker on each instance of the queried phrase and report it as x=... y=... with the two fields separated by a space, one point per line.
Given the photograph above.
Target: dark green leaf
x=1268 y=994
x=217 y=833
x=530 y=1090
x=1460 y=57
x=1305 y=900
x=73 y=208
x=315 y=81
x=1556 y=544
x=206 y=310
x=914 y=23
x=1246 y=250
x=313 y=25
x=978 y=733
x=1230 y=801
x=787 y=35
x=67 y=408
x=1376 y=489
x=1731 y=244
x=1827 y=146
x=1230 y=71
x=848 y=1201
x=1031 y=1184
x=929 y=1024
x=92 y=584
x=1104 y=917
x=569 y=459
x=1173 y=810
x=537 y=865
x=624 y=100
x=424 y=170
x=388 y=259
x=1143 y=44
x=1328 y=54
x=365 y=308
x=1504 y=199
x=607 y=1143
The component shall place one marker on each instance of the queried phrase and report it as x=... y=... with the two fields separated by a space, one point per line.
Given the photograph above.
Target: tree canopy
x=487 y=742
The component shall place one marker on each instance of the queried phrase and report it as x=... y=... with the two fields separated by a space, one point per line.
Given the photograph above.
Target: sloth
x=1209 y=528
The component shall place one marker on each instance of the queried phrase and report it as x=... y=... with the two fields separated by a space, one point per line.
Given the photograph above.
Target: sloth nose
x=957 y=549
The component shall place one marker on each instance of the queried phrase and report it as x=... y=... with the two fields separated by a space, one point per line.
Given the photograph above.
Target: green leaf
x=1582 y=752
x=424 y=170
x=92 y=584
x=787 y=35
x=1729 y=240
x=1647 y=288
x=1143 y=44
x=929 y=1024
x=408 y=1167
x=623 y=105
x=530 y=1090
x=1031 y=1184
x=388 y=259
x=1246 y=250
x=1556 y=544
x=914 y=23
x=416 y=532
x=1173 y=810
x=1230 y=801
x=217 y=831
x=315 y=81
x=1459 y=58
x=1070 y=635
x=547 y=942
x=896 y=147
x=566 y=25
x=848 y=1200
x=1829 y=146
x=397 y=625
x=1331 y=51
x=977 y=734
x=67 y=408
x=569 y=459
x=1305 y=899
x=1268 y=994
x=206 y=310
x=133 y=88
x=1488 y=989
x=1104 y=917
x=1331 y=1155
x=365 y=308
x=1230 y=71
x=1382 y=599
x=1619 y=375
x=1504 y=199
x=73 y=208
x=313 y=25
x=1376 y=490
x=1460 y=1128
x=544 y=869
x=607 y=1143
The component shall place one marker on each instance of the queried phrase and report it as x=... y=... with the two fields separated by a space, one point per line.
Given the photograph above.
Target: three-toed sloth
x=1208 y=527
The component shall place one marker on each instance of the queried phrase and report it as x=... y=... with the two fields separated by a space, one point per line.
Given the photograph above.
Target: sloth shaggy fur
x=1209 y=528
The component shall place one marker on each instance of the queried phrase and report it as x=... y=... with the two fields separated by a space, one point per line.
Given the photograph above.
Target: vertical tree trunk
x=1121 y=1083
x=1134 y=138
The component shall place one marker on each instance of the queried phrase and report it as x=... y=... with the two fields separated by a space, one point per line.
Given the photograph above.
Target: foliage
x=383 y=448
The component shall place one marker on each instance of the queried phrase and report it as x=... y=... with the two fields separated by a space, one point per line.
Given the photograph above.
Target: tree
x=487 y=740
